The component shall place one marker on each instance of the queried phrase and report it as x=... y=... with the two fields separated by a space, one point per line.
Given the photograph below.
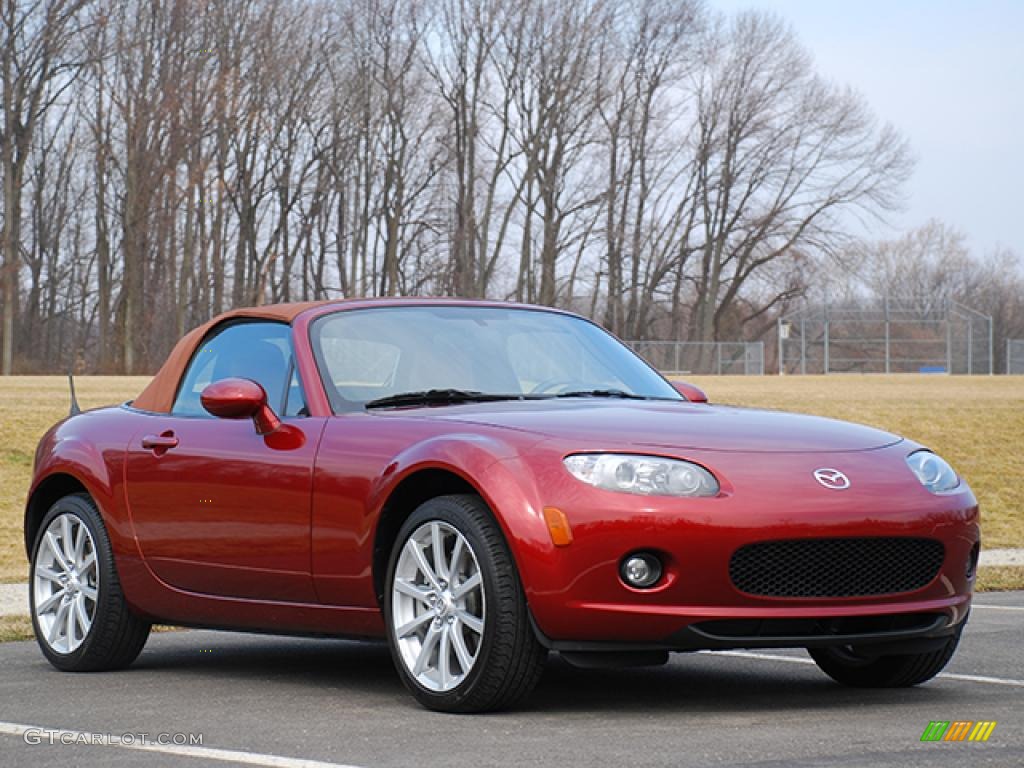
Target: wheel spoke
x=51 y=542
x=87 y=564
x=48 y=603
x=471 y=621
x=411 y=626
x=58 y=623
x=79 y=543
x=424 y=566
x=437 y=545
x=453 y=565
x=433 y=634
x=71 y=626
x=467 y=586
x=461 y=651
x=48 y=573
x=416 y=593
x=87 y=591
x=81 y=616
x=65 y=537
x=443 y=657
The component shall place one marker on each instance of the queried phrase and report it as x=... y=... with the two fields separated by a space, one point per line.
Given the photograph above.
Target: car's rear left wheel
x=457 y=620
x=81 y=619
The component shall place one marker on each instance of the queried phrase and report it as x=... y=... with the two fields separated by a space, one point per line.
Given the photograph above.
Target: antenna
x=75 y=409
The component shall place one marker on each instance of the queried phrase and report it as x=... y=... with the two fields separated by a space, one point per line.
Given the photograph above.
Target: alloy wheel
x=66 y=583
x=438 y=606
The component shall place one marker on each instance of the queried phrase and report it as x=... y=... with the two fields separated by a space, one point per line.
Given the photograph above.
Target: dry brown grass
x=13 y=628
x=977 y=423
x=29 y=405
x=999 y=578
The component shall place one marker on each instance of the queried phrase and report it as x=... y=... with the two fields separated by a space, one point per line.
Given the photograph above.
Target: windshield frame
x=340 y=405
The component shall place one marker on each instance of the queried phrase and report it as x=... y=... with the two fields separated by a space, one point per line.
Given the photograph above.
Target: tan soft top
x=158 y=396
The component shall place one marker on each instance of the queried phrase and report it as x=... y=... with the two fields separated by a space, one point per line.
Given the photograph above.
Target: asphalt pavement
x=300 y=703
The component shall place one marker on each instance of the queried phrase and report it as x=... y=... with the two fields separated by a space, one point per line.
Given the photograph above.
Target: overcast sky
x=949 y=74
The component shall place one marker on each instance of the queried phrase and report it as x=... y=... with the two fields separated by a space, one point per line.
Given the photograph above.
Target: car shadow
x=317 y=662
x=690 y=683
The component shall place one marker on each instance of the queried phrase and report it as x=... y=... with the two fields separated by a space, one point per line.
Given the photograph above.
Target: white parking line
x=765 y=656
x=998 y=607
x=205 y=753
x=798 y=660
x=983 y=679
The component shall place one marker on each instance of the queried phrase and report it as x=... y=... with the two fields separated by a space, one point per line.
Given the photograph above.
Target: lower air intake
x=841 y=567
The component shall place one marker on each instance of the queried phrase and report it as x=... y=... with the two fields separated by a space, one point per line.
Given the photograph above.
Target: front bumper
x=579 y=602
x=893 y=632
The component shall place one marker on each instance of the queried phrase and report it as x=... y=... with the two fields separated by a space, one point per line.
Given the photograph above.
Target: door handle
x=161 y=443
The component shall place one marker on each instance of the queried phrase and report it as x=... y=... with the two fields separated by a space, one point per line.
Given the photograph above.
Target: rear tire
x=460 y=635
x=81 y=619
x=856 y=668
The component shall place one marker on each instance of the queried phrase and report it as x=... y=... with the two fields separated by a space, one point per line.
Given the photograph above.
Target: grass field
x=976 y=423
x=29 y=405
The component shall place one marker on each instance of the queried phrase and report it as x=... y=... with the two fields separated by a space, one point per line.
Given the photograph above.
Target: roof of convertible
x=159 y=394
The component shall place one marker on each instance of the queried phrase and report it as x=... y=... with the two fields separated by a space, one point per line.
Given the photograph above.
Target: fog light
x=641 y=571
x=972 y=560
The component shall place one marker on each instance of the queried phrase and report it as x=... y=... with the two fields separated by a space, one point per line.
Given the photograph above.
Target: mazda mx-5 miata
x=482 y=483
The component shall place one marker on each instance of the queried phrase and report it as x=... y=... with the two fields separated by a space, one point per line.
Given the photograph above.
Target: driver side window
x=259 y=351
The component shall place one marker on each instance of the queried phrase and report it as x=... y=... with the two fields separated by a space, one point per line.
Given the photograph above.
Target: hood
x=606 y=424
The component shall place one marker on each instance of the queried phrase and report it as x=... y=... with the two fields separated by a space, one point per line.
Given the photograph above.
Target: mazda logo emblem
x=832 y=479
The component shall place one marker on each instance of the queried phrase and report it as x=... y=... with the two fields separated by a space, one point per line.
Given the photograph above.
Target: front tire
x=81 y=620
x=858 y=669
x=456 y=615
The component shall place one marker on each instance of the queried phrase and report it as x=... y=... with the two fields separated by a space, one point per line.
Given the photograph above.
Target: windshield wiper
x=440 y=397
x=603 y=393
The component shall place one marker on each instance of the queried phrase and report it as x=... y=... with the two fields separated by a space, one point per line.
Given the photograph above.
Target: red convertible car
x=482 y=483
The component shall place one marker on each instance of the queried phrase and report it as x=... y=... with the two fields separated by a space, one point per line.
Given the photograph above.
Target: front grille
x=847 y=567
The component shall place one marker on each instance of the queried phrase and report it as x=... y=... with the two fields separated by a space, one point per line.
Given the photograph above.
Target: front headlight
x=644 y=475
x=934 y=473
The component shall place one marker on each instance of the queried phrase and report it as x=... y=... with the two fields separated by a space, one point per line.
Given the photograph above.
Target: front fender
x=363 y=461
x=498 y=474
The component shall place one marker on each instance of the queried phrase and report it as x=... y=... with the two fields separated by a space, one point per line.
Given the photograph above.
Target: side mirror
x=240 y=399
x=690 y=392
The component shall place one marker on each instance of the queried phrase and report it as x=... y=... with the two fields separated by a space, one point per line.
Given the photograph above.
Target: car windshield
x=447 y=354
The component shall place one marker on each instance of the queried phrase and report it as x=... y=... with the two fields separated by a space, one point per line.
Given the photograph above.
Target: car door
x=217 y=508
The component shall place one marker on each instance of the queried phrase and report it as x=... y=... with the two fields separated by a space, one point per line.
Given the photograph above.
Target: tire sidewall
x=85 y=511
x=447 y=511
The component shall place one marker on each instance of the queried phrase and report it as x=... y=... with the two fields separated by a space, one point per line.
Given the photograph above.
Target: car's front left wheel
x=457 y=620
x=81 y=619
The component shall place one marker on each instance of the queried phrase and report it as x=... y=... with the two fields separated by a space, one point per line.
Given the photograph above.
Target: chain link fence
x=886 y=336
x=703 y=357
x=1015 y=356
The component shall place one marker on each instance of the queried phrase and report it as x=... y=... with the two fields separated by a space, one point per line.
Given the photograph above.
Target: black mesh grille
x=849 y=567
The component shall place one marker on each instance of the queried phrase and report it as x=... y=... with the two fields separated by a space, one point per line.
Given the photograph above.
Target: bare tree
x=556 y=87
x=645 y=57
x=782 y=161
x=670 y=171
x=38 y=63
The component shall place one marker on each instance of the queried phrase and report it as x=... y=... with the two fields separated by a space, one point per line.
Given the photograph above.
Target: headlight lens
x=643 y=475
x=935 y=474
